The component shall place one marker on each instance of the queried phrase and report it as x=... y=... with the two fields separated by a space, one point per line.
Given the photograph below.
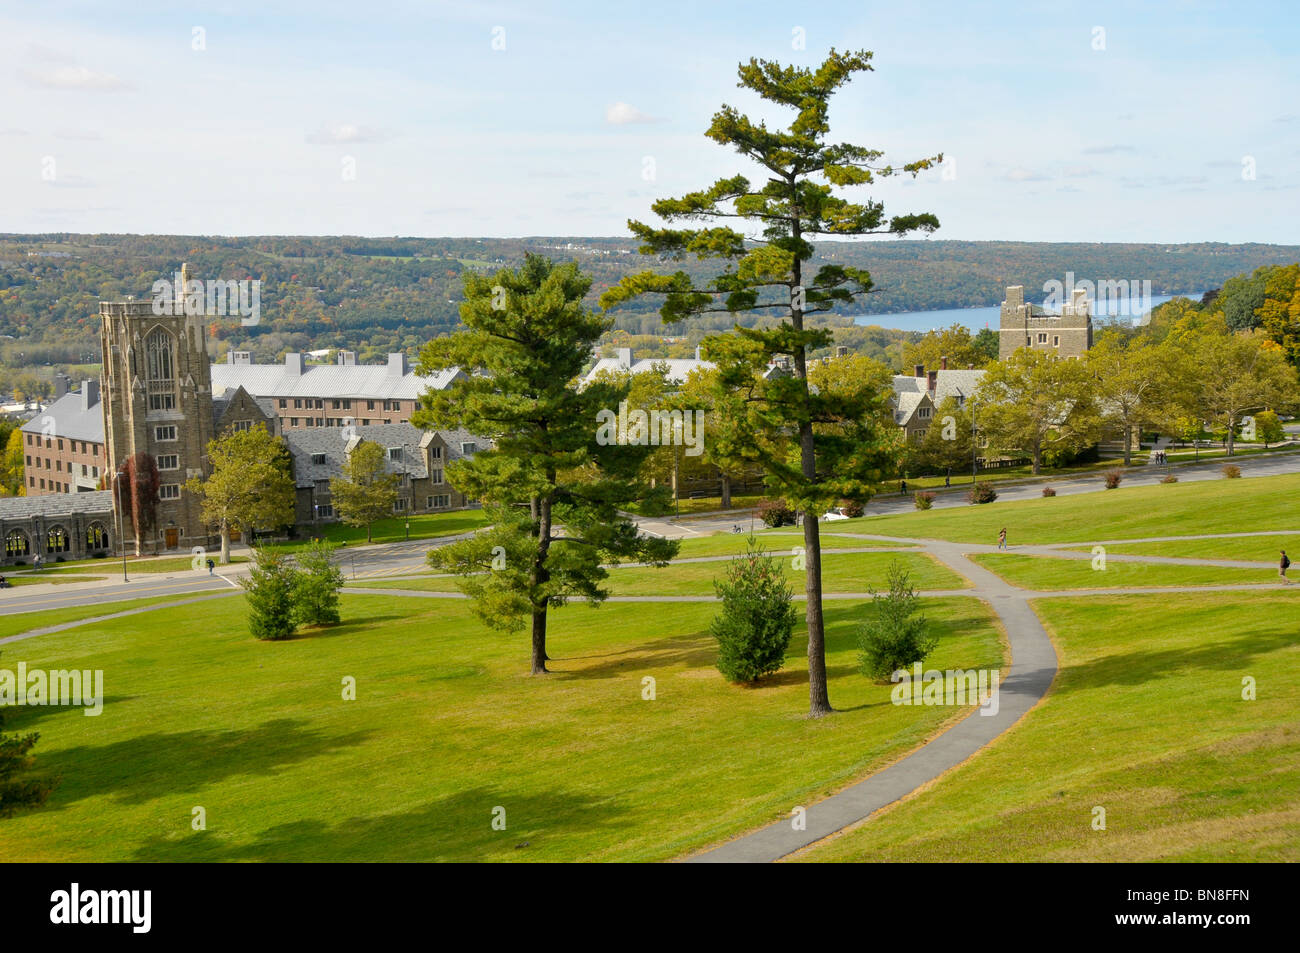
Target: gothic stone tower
x=158 y=400
x=1068 y=334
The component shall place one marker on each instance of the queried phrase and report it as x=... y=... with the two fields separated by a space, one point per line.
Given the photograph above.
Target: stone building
x=917 y=396
x=1068 y=334
x=419 y=457
x=158 y=402
x=56 y=526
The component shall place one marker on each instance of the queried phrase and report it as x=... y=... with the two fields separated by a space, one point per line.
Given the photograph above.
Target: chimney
x=61 y=383
x=933 y=379
x=293 y=363
x=970 y=367
x=624 y=355
x=919 y=370
x=1015 y=296
x=1080 y=302
x=842 y=350
x=89 y=394
x=943 y=363
x=347 y=358
x=698 y=355
x=397 y=365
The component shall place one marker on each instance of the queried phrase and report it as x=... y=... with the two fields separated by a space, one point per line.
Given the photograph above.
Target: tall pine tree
x=816 y=447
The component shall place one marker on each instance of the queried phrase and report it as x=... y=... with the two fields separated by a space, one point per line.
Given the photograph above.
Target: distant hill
x=375 y=295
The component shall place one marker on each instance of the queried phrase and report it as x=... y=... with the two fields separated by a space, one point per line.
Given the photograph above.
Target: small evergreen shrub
x=851 y=508
x=316 y=590
x=753 y=629
x=893 y=637
x=775 y=513
x=923 y=500
x=1048 y=491
x=1231 y=471
x=269 y=589
x=1113 y=478
x=1170 y=478
x=982 y=493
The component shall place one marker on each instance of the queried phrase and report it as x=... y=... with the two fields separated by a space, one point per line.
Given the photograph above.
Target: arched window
x=158 y=348
x=159 y=364
x=17 y=544
x=96 y=537
x=57 y=540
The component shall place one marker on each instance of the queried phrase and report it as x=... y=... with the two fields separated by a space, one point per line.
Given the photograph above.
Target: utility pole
x=974 y=447
x=117 y=506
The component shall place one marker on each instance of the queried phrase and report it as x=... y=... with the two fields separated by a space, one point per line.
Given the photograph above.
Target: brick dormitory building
x=160 y=394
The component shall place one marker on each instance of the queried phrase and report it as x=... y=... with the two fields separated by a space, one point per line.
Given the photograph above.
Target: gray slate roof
x=334 y=441
x=909 y=390
x=52 y=505
x=355 y=381
x=70 y=421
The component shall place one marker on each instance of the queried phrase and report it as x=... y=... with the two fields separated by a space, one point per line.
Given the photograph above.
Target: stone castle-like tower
x=1068 y=334
x=158 y=400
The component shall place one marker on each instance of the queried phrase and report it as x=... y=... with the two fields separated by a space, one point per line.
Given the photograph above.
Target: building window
x=284 y=404
x=56 y=540
x=435 y=452
x=169 y=461
x=162 y=401
x=60 y=443
x=29 y=459
x=318 y=458
x=441 y=501
x=395 y=453
x=924 y=413
x=1042 y=338
x=399 y=504
x=370 y=405
x=84 y=471
x=297 y=403
x=17 y=544
x=466 y=449
x=169 y=491
x=322 y=487
x=325 y=510
x=94 y=449
x=94 y=472
x=435 y=476
x=165 y=433
x=1056 y=340
x=96 y=537
x=242 y=425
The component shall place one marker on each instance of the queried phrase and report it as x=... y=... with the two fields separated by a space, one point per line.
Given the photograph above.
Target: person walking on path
x=1283 y=565
x=1002 y=538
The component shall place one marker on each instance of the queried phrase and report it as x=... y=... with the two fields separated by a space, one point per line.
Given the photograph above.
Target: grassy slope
x=1146 y=720
x=841 y=572
x=1212 y=506
x=428 y=526
x=446 y=727
x=1250 y=548
x=40 y=619
x=1047 y=572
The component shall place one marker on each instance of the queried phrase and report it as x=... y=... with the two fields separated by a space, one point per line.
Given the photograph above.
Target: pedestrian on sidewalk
x=211 y=564
x=1002 y=538
x=1283 y=565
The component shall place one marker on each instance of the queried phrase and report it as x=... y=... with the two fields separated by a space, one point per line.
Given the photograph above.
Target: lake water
x=972 y=318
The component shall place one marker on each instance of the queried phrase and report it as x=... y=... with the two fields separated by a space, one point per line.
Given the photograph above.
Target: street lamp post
x=408 y=529
x=974 y=447
x=117 y=507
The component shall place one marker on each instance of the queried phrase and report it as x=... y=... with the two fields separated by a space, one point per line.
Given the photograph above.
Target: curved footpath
x=1033 y=667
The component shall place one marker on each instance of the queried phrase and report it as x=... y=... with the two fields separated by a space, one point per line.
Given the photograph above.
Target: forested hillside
x=377 y=295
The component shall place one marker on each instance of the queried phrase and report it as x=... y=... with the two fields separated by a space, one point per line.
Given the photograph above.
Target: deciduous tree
x=250 y=485
x=366 y=491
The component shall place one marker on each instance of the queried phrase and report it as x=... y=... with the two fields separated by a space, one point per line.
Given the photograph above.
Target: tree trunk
x=538 y=576
x=818 y=696
x=1229 y=441
x=819 y=702
x=1128 y=443
x=225 y=543
x=539 y=641
x=726 y=492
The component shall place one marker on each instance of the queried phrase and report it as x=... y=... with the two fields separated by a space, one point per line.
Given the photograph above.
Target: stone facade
x=1068 y=334
x=56 y=526
x=158 y=401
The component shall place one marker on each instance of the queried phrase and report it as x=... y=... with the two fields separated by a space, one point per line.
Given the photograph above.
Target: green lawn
x=27 y=620
x=774 y=541
x=1049 y=572
x=134 y=565
x=841 y=572
x=427 y=526
x=1146 y=719
x=446 y=727
x=36 y=579
x=1174 y=509
x=1251 y=548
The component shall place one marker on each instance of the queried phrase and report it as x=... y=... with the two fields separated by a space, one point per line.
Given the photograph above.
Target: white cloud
x=1024 y=175
x=344 y=132
x=74 y=77
x=622 y=114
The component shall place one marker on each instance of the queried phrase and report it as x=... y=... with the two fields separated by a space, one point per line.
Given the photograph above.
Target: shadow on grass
x=25 y=718
x=346 y=627
x=1141 y=666
x=137 y=770
x=457 y=827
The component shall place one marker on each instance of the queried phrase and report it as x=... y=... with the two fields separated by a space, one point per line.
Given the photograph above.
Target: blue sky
x=495 y=118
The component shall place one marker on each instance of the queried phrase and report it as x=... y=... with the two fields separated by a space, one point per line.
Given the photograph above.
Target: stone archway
x=17 y=544
x=57 y=540
x=97 y=538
